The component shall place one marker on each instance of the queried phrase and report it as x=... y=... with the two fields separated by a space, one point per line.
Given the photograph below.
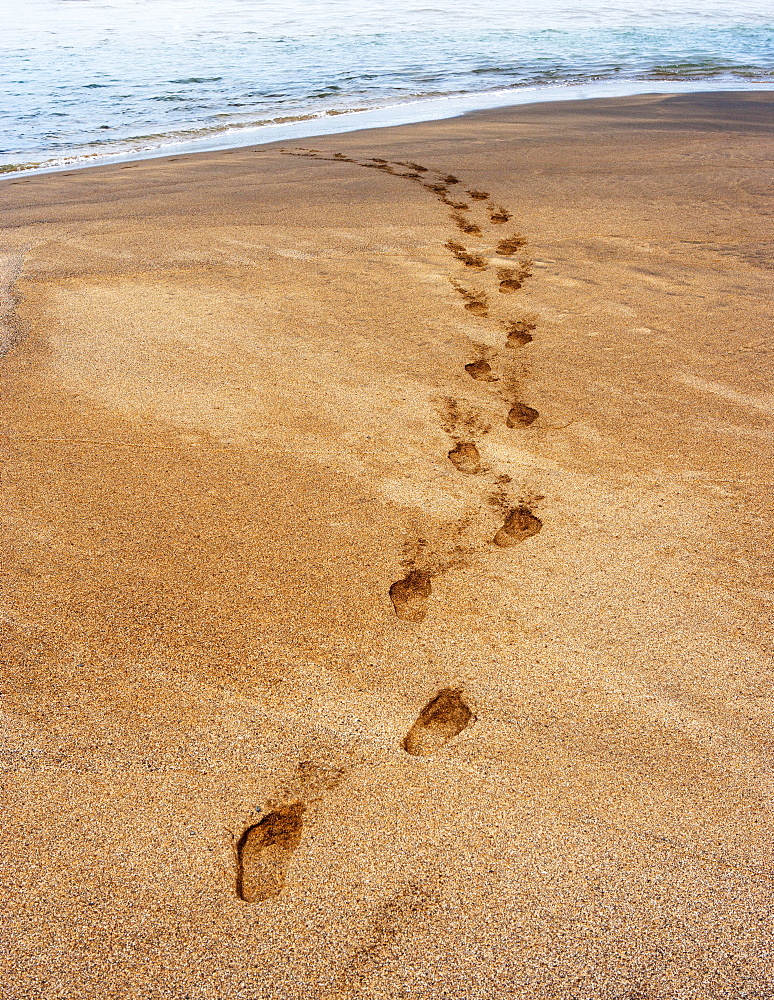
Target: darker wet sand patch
x=460 y=420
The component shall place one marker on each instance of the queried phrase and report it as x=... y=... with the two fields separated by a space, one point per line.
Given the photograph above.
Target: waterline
x=286 y=128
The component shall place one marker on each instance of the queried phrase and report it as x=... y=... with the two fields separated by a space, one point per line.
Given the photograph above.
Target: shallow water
x=81 y=79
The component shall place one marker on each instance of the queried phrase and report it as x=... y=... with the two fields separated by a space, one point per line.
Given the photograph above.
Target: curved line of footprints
x=265 y=848
x=410 y=596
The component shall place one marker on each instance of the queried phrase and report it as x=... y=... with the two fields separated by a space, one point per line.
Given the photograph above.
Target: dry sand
x=226 y=422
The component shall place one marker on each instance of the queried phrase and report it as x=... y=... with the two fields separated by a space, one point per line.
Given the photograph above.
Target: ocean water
x=84 y=80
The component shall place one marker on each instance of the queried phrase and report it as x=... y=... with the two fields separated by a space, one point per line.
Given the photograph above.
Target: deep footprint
x=521 y=415
x=264 y=851
x=442 y=718
x=478 y=195
x=499 y=215
x=480 y=370
x=465 y=457
x=521 y=523
x=410 y=596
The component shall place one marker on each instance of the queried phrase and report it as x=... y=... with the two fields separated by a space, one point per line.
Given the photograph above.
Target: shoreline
x=405 y=503
x=391 y=116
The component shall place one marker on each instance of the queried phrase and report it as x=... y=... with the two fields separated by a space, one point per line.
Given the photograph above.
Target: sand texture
x=387 y=564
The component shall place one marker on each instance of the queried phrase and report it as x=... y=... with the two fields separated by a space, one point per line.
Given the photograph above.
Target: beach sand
x=227 y=413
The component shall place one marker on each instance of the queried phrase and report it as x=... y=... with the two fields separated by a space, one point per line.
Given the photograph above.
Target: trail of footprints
x=265 y=848
x=411 y=595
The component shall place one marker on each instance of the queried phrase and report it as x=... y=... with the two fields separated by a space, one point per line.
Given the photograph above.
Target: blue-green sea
x=82 y=80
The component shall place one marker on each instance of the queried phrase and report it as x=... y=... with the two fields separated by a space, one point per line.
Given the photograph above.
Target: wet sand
x=387 y=563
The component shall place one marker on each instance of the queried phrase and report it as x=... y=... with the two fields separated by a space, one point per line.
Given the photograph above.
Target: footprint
x=450 y=179
x=521 y=415
x=512 y=279
x=465 y=457
x=480 y=370
x=521 y=523
x=519 y=333
x=409 y=596
x=507 y=248
x=464 y=225
x=442 y=718
x=475 y=302
x=378 y=163
x=264 y=851
x=510 y=284
x=499 y=215
x=478 y=195
x=412 y=166
x=469 y=259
